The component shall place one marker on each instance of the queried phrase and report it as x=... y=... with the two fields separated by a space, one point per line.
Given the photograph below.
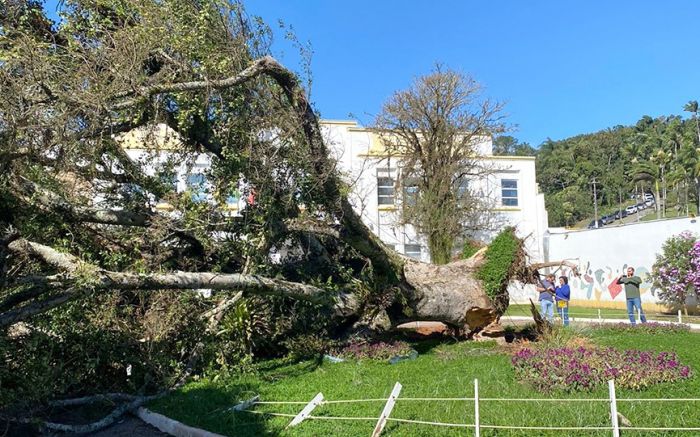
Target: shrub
x=496 y=271
x=470 y=248
x=651 y=327
x=307 y=346
x=677 y=269
x=582 y=369
x=373 y=351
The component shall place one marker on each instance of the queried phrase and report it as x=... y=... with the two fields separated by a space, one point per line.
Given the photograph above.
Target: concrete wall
x=603 y=254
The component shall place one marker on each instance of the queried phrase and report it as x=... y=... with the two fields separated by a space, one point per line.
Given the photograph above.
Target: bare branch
x=257 y=68
x=312 y=227
x=23 y=313
x=33 y=192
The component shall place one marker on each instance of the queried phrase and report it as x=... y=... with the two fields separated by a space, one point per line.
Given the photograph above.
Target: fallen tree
x=79 y=211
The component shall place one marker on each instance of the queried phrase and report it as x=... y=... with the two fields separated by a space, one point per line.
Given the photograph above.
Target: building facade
x=372 y=174
x=363 y=161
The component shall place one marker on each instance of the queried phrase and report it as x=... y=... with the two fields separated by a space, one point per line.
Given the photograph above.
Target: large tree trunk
x=449 y=293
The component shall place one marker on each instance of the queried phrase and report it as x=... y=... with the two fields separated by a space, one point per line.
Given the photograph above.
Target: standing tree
x=509 y=145
x=436 y=126
x=692 y=107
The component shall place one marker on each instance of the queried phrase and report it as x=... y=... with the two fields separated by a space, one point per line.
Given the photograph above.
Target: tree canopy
x=435 y=128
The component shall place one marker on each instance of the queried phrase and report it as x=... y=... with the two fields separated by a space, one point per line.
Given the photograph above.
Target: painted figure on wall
x=601 y=283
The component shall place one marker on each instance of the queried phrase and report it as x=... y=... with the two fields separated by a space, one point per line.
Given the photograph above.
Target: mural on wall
x=600 y=283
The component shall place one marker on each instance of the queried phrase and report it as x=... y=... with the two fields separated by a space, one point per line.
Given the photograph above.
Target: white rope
x=642 y=428
x=423 y=422
x=551 y=428
x=280 y=403
x=464 y=425
x=265 y=413
x=660 y=400
x=373 y=419
x=350 y=401
x=543 y=400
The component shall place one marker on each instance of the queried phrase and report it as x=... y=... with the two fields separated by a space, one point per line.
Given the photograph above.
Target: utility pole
x=619 y=214
x=595 y=202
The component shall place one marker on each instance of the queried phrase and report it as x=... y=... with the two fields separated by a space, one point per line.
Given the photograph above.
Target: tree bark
x=448 y=293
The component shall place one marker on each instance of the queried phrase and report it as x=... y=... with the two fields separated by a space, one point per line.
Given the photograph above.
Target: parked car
x=592 y=225
x=641 y=206
x=607 y=219
x=631 y=209
x=649 y=203
x=648 y=196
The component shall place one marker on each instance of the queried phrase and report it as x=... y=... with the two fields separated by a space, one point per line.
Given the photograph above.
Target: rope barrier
x=266 y=413
x=342 y=418
x=304 y=415
x=280 y=403
x=351 y=401
x=642 y=428
x=466 y=425
x=552 y=428
x=423 y=422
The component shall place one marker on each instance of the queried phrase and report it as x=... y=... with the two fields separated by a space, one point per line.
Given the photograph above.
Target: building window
x=196 y=184
x=509 y=192
x=233 y=198
x=463 y=188
x=410 y=191
x=412 y=250
x=385 y=186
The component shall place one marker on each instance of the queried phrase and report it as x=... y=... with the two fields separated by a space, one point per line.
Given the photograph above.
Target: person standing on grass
x=634 y=299
x=546 y=289
x=563 y=295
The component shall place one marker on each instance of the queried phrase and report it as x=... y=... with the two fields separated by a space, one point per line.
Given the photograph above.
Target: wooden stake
x=476 y=408
x=381 y=423
x=303 y=414
x=613 y=409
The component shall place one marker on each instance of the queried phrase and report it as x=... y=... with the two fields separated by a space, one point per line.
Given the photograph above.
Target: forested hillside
x=655 y=155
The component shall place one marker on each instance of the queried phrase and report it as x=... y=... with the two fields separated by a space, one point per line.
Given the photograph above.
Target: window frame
x=509 y=200
x=413 y=252
x=386 y=183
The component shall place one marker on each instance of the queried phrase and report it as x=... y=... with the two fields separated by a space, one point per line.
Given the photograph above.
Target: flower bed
x=582 y=369
x=651 y=327
x=373 y=351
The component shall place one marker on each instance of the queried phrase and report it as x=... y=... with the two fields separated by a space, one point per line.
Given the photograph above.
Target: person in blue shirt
x=563 y=295
x=546 y=289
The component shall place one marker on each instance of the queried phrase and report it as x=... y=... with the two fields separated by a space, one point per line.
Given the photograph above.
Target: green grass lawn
x=441 y=370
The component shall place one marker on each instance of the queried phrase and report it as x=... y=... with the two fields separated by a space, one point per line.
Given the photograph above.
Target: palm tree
x=647 y=171
x=662 y=159
x=692 y=106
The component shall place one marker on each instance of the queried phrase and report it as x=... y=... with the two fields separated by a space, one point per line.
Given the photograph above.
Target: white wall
x=359 y=153
x=603 y=254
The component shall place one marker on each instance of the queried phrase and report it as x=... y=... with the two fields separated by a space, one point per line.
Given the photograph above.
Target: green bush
x=496 y=270
x=470 y=248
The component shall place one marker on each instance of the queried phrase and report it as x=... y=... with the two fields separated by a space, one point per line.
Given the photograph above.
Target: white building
x=365 y=164
x=363 y=161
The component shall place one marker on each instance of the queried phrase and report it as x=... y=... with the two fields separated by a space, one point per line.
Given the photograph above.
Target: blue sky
x=563 y=67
